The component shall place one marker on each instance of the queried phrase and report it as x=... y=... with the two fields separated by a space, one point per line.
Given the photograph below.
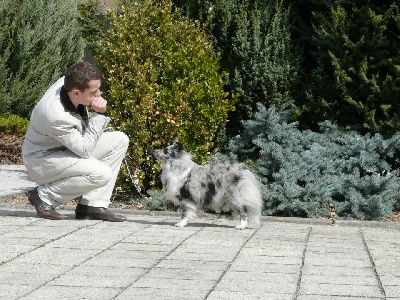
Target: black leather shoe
x=97 y=213
x=42 y=208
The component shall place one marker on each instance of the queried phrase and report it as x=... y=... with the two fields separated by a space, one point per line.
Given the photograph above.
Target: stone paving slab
x=14 y=180
x=148 y=258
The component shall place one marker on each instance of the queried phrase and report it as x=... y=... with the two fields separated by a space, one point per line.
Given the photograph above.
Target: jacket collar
x=66 y=101
x=69 y=106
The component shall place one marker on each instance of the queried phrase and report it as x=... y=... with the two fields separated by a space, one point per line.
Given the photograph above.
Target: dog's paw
x=181 y=224
x=240 y=227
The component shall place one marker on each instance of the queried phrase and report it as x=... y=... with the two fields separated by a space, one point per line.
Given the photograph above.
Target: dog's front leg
x=184 y=217
x=243 y=219
x=187 y=212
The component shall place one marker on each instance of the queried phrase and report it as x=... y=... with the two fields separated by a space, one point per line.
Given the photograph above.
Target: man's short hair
x=79 y=74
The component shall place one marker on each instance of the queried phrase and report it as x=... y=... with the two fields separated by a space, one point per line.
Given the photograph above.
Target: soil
x=10 y=149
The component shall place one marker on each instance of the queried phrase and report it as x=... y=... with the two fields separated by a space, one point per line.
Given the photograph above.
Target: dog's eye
x=165 y=151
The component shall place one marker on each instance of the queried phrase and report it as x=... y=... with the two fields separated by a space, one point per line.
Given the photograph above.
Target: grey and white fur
x=193 y=186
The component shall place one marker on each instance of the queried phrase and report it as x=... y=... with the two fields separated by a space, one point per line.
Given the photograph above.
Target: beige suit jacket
x=57 y=137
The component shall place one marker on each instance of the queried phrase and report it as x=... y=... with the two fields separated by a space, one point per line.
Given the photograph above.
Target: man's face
x=89 y=94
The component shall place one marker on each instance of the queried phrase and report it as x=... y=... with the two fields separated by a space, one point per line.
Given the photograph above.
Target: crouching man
x=67 y=152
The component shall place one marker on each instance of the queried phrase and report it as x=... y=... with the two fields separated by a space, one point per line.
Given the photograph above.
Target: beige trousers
x=93 y=178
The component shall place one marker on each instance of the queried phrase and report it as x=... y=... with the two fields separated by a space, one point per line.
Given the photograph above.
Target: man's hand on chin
x=99 y=105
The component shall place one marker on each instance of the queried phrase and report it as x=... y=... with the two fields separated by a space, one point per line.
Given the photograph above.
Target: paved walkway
x=14 y=181
x=148 y=258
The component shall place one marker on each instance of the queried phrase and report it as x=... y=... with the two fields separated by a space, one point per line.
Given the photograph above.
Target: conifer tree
x=253 y=37
x=351 y=62
x=303 y=171
x=39 y=39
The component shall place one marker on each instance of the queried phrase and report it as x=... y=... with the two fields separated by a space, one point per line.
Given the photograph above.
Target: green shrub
x=157 y=202
x=162 y=81
x=39 y=39
x=351 y=64
x=254 y=39
x=13 y=124
x=303 y=171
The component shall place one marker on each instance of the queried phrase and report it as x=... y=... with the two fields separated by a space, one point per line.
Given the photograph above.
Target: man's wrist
x=101 y=113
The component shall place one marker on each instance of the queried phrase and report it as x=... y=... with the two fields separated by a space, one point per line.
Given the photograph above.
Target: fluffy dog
x=193 y=186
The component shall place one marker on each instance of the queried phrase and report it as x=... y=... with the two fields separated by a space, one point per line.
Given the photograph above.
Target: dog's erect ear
x=178 y=146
